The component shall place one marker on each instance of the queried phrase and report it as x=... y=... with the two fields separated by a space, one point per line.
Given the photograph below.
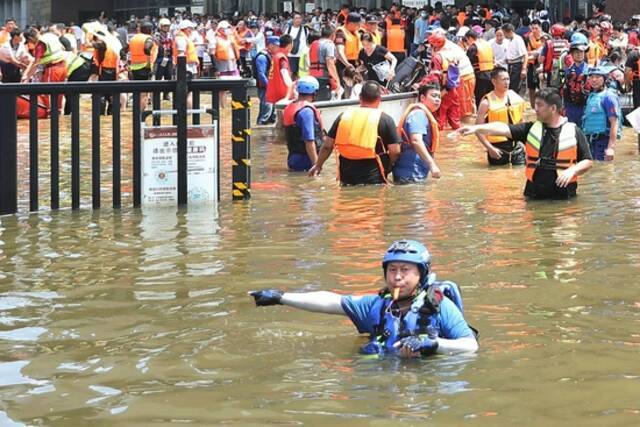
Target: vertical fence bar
x=180 y=101
x=215 y=118
x=136 y=150
x=115 y=151
x=157 y=105
x=196 y=106
x=95 y=150
x=33 y=153
x=240 y=143
x=75 y=152
x=55 y=152
x=8 y=155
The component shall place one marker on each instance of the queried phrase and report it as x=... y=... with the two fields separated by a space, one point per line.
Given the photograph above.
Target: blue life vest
x=595 y=120
x=421 y=319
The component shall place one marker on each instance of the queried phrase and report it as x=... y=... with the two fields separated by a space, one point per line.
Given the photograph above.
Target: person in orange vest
x=322 y=63
x=367 y=141
x=143 y=53
x=480 y=54
x=106 y=56
x=348 y=44
x=224 y=51
x=242 y=36
x=606 y=29
x=552 y=168
x=395 y=40
x=420 y=136
x=506 y=106
x=534 y=42
x=341 y=19
x=9 y=25
x=280 y=84
x=595 y=52
x=371 y=27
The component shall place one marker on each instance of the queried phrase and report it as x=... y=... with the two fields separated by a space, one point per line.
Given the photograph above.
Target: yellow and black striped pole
x=240 y=144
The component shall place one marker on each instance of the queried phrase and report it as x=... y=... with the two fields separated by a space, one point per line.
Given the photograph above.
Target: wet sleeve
x=452 y=323
x=610 y=105
x=519 y=132
x=357 y=308
x=416 y=123
x=334 y=128
x=584 y=152
x=388 y=131
x=305 y=122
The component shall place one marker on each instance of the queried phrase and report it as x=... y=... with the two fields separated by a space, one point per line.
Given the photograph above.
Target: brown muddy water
x=141 y=317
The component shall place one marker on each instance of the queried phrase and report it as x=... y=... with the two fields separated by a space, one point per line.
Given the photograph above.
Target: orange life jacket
x=485 y=55
x=4 y=36
x=295 y=144
x=241 y=43
x=395 y=38
x=110 y=59
x=509 y=112
x=534 y=44
x=433 y=123
x=316 y=68
x=277 y=88
x=139 y=59
x=191 y=54
x=566 y=156
x=223 y=47
x=352 y=44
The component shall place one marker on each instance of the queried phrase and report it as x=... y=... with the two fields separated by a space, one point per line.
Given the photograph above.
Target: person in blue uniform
x=303 y=126
x=412 y=316
x=602 y=120
x=575 y=89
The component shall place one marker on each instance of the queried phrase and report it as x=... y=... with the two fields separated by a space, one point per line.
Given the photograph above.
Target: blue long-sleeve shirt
x=262 y=68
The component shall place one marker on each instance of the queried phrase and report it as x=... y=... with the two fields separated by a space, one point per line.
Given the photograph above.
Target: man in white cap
x=186 y=47
x=223 y=49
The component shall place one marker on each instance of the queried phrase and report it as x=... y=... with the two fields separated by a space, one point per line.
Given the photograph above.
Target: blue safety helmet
x=579 y=41
x=602 y=70
x=408 y=251
x=307 y=85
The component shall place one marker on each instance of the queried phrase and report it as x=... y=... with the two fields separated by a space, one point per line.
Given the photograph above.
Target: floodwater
x=141 y=317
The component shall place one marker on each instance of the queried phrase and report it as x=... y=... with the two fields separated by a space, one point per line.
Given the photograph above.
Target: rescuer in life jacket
x=366 y=139
x=576 y=86
x=506 y=106
x=556 y=150
x=412 y=316
x=602 y=120
x=481 y=56
x=420 y=136
x=303 y=126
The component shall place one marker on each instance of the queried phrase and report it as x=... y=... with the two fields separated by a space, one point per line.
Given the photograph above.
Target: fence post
x=181 y=127
x=8 y=155
x=240 y=143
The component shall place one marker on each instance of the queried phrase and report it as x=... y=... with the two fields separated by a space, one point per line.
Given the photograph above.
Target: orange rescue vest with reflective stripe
x=139 y=59
x=567 y=153
x=509 y=112
x=433 y=124
x=223 y=47
x=191 y=54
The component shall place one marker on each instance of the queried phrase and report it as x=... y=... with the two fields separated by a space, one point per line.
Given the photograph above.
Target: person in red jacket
x=280 y=85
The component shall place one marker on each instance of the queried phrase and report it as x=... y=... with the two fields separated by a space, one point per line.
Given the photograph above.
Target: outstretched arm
x=318 y=302
x=460 y=345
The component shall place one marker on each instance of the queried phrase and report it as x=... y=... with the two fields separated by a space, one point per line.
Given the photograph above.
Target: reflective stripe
x=54 y=50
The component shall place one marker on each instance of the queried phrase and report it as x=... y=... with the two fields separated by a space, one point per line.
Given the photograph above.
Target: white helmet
x=185 y=23
x=163 y=22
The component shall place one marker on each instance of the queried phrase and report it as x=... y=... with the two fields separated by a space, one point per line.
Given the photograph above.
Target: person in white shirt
x=516 y=56
x=298 y=34
x=499 y=46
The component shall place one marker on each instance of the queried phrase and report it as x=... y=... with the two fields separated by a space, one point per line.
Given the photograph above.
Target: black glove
x=267 y=297
x=424 y=344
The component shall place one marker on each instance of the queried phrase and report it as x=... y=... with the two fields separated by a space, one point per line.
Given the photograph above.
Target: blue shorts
x=299 y=162
x=598 y=145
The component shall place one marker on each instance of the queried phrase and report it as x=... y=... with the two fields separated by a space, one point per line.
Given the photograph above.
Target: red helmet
x=436 y=40
x=557 y=30
x=606 y=27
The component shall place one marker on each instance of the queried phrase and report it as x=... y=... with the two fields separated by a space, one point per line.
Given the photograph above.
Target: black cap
x=372 y=18
x=354 y=17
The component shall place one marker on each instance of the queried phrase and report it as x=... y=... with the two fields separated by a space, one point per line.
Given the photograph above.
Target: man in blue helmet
x=602 y=120
x=412 y=316
x=303 y=126
x=576 y=86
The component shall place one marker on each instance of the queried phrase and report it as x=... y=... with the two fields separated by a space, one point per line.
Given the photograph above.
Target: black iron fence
x=181 y=87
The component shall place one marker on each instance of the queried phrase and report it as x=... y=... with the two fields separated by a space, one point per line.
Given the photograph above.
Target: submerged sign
x=160 y=165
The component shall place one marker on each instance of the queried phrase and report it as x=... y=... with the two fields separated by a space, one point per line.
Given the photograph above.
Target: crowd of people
x=486 y=61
